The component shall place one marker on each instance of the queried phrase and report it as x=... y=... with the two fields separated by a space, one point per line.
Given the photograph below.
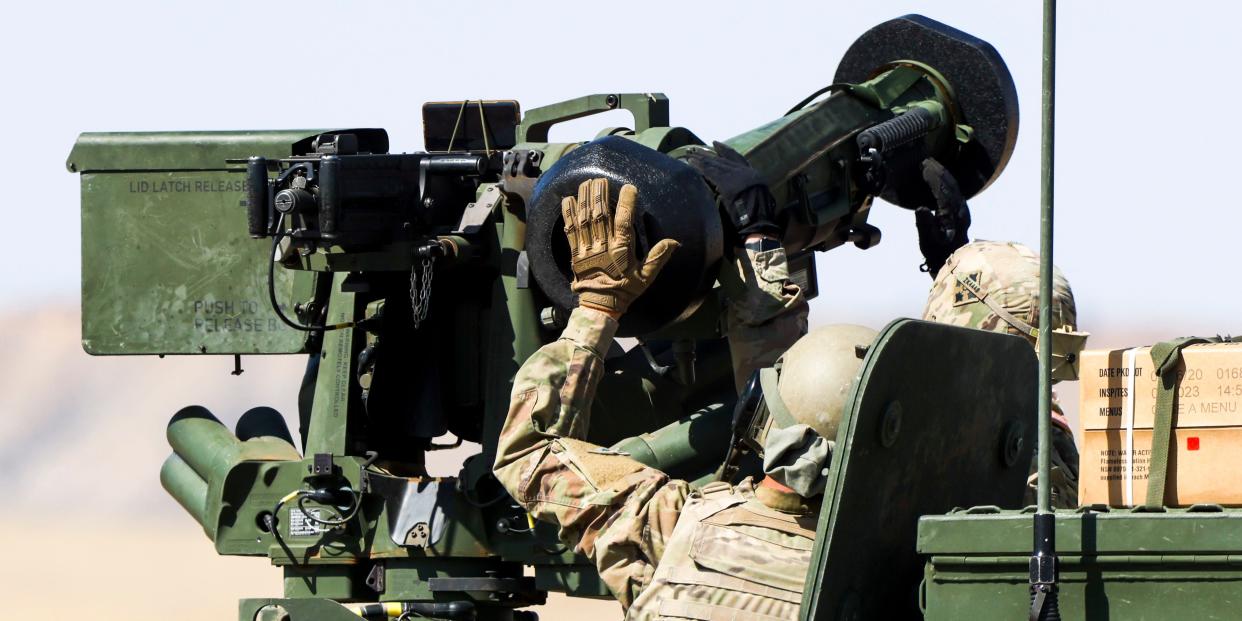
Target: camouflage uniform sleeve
x=616 y=511
x=767 y=312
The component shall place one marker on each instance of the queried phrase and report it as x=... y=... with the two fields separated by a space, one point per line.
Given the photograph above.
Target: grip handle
x=649 y=110
x=257 y=215
x=907 y=127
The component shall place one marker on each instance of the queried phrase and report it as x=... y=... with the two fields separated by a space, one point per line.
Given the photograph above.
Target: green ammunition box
x=1119 y=564
x=167 y=264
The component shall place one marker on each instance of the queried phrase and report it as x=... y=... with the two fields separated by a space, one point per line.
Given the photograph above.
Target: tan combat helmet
x=994 y=286
x=816 y=374
x=790 y=412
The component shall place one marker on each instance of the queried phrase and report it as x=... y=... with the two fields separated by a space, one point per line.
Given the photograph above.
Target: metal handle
x=649 y=110
x=911 y=125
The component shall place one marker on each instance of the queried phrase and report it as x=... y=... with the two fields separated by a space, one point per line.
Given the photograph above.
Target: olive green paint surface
x=936 y=419
x=1179 y=564
x=167 y=264
x=169 y=267
x=329 y=421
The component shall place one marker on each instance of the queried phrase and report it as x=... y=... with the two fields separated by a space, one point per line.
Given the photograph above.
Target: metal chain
x=420 y=289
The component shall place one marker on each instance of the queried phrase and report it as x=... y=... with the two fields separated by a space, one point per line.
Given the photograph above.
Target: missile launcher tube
x=688 y=448
x=203 y=442
x=188 y=489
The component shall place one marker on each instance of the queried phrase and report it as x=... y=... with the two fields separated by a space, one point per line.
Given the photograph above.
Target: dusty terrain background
x=81 y=443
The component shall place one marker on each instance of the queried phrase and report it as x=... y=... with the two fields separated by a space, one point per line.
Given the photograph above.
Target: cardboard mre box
x=1117 y=402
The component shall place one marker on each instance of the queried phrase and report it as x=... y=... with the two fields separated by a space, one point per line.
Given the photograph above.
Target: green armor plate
x=940 y=417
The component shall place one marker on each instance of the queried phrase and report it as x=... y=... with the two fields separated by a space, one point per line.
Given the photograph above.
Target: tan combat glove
x=607 y=275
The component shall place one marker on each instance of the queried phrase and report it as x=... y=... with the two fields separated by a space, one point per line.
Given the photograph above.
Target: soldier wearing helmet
x=663 y=548
x=995 y=286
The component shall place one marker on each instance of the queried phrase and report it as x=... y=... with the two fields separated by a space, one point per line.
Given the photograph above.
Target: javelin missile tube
x=908 y=90
x=686 y=447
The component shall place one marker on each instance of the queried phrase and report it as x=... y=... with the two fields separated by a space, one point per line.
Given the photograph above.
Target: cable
x=301 y=495
x=504 y=526
x=802 y=104
x=468 y=496
x=487 y=147
x=460 y=111
x=341 y=521
x=271 y=288
x=275 y=527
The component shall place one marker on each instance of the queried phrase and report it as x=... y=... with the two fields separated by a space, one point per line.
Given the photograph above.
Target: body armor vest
x=730 y=557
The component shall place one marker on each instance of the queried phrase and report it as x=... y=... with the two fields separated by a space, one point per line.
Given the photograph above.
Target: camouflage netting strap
x=1165 y=357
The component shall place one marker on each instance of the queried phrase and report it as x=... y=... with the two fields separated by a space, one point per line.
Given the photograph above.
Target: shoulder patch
x=961 y=294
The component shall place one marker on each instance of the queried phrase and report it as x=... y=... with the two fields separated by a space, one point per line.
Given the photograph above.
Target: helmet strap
x=769 y=379
x=976 y=289
x=1066 y=344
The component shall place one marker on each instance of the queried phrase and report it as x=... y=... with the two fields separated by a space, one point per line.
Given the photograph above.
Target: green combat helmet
x=994 y=286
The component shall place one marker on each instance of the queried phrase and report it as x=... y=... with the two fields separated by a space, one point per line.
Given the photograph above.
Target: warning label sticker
x=302 y=526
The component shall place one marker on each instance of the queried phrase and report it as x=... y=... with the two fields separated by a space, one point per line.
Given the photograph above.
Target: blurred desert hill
x=91 y=428
x=81 y=443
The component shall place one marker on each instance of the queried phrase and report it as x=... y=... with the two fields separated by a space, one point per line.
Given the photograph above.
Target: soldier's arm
x=616 y=511
x=767 y=312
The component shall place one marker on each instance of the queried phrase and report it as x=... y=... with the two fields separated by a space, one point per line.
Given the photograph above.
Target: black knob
x=294 y=200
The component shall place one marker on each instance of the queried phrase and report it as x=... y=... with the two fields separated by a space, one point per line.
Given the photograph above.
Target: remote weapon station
x=417 y=283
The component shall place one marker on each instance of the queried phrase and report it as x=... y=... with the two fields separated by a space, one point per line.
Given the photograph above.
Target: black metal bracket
x=375 y=579
x=1043 y=570
x=516 y=590
x=519 y=171
x=364 y=476
x=321 y=464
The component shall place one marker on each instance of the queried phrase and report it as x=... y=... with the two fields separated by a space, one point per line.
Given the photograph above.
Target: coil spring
x=1051 y=610
x=911 y=125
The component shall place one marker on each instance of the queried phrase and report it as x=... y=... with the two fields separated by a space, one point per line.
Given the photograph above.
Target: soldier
x=995 y=286
x=766 y=311
x=663 y=549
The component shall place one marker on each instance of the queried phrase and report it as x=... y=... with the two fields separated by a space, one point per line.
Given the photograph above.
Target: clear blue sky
x=1147 y=221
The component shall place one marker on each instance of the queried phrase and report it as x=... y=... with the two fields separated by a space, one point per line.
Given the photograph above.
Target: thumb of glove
x=657 y=259
x=729 y=153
